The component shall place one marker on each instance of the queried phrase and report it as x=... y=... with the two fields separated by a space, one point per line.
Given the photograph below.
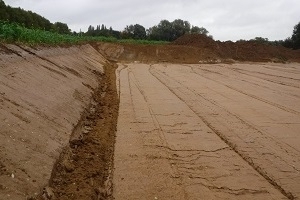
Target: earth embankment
x=199 y=49
x=43 y=92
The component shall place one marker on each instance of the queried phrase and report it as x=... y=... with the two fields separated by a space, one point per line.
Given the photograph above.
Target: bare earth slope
x=42 y=95
x=199 y=49
x=208 y=132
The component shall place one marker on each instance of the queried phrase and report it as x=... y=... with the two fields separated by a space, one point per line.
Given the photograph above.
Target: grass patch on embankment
x=15 y=33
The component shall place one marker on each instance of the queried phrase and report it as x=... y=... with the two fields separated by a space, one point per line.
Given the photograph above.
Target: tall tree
x=128 y=31
x=61 y=28
x=136 y=31
x=25 y=18
x=139 y=32
x=170 y=31
x=199 y=30
x=3 y=11
x=179 y=28
x=296 y=36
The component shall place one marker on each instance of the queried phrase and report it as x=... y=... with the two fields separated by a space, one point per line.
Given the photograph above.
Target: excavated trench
x=84 y=168
x=56 y=102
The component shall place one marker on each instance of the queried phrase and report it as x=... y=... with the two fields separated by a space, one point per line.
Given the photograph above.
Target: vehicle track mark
x=252 y=96
x=248 y=159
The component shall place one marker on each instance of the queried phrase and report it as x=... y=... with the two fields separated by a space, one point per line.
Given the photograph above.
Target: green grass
x=14 y=33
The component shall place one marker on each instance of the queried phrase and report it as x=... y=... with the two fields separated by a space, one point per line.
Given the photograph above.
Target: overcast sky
x=224 y=19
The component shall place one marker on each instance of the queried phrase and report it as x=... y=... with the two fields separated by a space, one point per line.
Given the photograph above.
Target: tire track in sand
x=174 y=86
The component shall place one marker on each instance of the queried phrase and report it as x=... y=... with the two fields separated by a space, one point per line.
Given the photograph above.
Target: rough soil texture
x=241 y=50
x=84 y=169
x=208 y=132
x=184 y=131
x=198 y=49
x=43 y=92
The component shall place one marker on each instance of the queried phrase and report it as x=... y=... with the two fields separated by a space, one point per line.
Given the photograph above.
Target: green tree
x=296 y=37
x=128 y=31
x=3 y=11
x=61 y=28
x=179 y=28
x=139 y=32
x=163 y=31
x=91 y=31
x=170 y=31
x=136 y=31
x=198 y=30
x=260 y=40
x=27 y=19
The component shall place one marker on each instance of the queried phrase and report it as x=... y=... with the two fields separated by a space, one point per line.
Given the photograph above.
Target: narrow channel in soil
x=83 y=170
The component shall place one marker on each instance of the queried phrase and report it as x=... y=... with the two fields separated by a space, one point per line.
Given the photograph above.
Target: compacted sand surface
x=208 y=132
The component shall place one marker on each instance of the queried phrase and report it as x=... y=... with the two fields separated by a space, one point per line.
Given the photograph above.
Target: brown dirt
x=208 y=132
x=58 y=107
x=43 y=93
x=84 y=168
x=128 y=53
x=241 y=50
x=198 y=49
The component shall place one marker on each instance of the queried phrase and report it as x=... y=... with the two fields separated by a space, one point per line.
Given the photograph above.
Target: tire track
x=248 y=159
x=270 y=80
x=154 y=119
x=237 y=77
x=133 y=81
x=252 y=96
x=272 y=75
x=227 y=111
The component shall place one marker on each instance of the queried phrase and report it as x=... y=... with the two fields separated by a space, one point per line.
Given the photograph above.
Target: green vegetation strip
x=14 y=33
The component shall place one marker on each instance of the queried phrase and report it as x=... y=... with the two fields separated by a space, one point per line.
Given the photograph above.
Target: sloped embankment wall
x=43 y=92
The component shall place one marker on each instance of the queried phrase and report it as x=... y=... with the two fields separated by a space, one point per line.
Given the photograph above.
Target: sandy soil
x=184 y=131
x=208 y=132
x=43 y=92
x=84 y=170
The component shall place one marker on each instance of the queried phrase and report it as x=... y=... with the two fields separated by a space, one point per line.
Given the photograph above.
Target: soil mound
x=241 y=50
x=196 y=40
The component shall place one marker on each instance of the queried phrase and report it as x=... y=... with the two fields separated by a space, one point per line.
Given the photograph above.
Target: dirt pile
x=154 y=53
x=200 y=41
x=198 y=49
x=241 y=50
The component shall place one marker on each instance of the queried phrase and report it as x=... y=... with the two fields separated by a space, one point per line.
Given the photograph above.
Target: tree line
x=30 y=19
x=294 y=40
x=164 y=31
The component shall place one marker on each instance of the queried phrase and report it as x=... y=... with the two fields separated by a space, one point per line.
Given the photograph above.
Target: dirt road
x=208 y=132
